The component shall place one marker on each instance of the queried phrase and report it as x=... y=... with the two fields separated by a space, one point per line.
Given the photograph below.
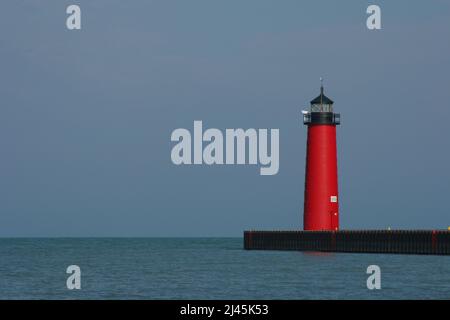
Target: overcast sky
x=86 y=116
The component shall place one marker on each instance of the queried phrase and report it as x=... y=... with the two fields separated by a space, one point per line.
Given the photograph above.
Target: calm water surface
x=207 y=268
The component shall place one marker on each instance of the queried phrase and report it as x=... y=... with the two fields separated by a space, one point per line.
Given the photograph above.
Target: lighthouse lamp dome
x=322 y=103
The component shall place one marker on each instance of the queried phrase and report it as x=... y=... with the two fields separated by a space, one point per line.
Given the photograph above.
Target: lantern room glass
x=321 y=108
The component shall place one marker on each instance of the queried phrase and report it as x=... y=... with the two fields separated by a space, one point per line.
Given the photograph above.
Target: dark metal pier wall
x=358 y=241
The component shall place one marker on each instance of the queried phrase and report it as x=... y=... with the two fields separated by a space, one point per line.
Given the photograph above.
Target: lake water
x=207 y=268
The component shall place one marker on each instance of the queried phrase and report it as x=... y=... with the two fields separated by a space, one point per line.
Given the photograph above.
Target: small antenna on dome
x=321 y=90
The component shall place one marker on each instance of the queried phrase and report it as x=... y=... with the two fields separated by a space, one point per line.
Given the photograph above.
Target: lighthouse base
x=436 y=242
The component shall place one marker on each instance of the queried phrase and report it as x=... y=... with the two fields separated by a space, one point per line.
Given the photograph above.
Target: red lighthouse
x=321 y=208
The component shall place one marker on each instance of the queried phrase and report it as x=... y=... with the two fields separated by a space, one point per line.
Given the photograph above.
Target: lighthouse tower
x=321 y=208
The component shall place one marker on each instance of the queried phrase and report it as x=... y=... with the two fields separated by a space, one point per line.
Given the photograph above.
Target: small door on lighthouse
x=334 y=220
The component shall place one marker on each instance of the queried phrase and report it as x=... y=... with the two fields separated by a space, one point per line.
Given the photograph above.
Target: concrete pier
x=436 y=242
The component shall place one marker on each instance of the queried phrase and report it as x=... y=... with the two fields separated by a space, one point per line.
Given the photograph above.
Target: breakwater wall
x=435 y=242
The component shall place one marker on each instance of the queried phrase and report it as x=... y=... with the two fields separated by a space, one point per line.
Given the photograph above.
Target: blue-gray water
x=207 y=268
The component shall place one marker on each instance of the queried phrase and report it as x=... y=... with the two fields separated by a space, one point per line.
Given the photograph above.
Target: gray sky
x=86 y=116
